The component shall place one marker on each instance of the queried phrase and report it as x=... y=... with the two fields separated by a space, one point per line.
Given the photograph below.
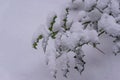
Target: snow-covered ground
x=19 y=19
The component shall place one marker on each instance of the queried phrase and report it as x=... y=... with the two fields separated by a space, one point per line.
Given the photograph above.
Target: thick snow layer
x=101 y=4
x=81 y=15
x=51 y=56
x=115 y=7
x=89 y=4
x=77 y=4
x=94 y=15
x=109 y=24
x=70 y=40
x=87 y=35
x=76 y=27
x=90 y=35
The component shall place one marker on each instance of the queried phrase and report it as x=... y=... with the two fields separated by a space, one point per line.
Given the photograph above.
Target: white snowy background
x=19 y=19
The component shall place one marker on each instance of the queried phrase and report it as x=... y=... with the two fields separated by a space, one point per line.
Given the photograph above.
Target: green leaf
x=37 y=41
x=65 y=19
x=52 y=23
x=54 y=34
x=35 y=45
x=39 y=37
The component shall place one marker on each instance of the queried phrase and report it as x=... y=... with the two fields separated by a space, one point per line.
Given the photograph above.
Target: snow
x=89 y=4
x=101 y=4
x=90 y=36
x=64 y=62
x=69 y=23
x=63 y=13
x=77 y=4
x=94 y=15
x=50 y=18
x=81 y=15
x=116 y=48
x=109 y=24
x=51 y=56
x=115 y=7
x=40 y=31
x=19 y=20
x=69 y=40
x=87 y=35
x=56 y=27
x=76 y=27
x=74 y=33
x=18 y=61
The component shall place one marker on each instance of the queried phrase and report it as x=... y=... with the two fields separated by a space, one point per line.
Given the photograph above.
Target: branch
x=98 y=49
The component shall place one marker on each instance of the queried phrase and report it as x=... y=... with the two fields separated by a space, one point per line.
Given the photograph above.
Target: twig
x=98 y=49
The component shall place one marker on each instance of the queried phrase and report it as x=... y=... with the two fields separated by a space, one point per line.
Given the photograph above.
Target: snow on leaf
x=102 y=4
x=80 y=23
x=109 y=24
x=51 y=56
x=89 y=4
x=79 y=62
x=76 y=5
x=40 y=34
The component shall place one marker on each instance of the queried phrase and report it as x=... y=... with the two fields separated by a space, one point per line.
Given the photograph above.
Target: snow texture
x=68 y=33
x=109 y=24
